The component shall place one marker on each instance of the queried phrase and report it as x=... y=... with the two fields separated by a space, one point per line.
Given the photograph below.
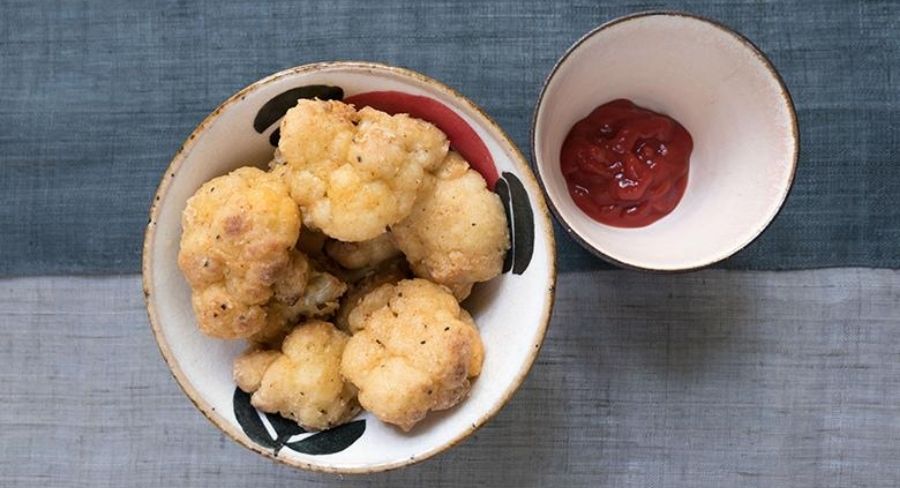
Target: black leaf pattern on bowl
x=249 y=419
x=275 y=108
x=284 y=429
x=324 y=442
x=520 y=218
x=501 y=188
x=523 y=224
x=275 y=137
x=332 y=440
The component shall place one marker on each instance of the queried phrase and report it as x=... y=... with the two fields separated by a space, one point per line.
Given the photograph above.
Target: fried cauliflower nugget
x=355 y=173
x=364 y=254
x=292 y=283
x=417 y=351
x=302 y=291
x=237 y=234
x=250 y=367
x=322 y=297
x=280 y=321
x=304 y=382
x=389 y=272
x=457 y=233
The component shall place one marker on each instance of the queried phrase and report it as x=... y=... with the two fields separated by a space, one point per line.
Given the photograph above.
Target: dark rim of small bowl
x=767 y=63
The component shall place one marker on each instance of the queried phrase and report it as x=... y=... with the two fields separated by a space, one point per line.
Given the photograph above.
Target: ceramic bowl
x=722 y=89
x=512 y=310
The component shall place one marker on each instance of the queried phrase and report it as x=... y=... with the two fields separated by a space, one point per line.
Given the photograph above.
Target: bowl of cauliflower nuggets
x=349 y=267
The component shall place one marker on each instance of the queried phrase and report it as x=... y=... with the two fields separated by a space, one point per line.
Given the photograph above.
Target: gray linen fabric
x=96 y=96
x=710 y=379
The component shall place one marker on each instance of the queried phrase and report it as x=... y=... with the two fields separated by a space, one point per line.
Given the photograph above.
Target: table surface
x=95 y=98
x=769 y=372
x=709 y=379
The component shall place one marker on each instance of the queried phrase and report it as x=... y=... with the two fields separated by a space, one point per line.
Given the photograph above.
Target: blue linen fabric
x=95 y=98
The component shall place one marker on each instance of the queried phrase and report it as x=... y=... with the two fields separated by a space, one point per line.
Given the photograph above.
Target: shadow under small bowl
x=512 y=310
x=722 y=89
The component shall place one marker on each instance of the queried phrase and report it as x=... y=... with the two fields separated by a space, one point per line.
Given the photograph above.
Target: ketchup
x=626 y=166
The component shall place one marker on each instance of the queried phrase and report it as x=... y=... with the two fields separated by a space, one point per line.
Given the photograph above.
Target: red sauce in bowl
x=626 y=166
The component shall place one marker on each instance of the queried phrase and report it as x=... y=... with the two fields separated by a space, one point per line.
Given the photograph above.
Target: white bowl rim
x=755 y=50
x=524 y=172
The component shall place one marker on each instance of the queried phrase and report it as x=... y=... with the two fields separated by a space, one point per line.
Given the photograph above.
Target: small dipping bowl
x=722 y=89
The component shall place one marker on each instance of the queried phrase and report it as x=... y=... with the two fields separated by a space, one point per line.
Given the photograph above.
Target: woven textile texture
x=96 y=97
x=714 y=379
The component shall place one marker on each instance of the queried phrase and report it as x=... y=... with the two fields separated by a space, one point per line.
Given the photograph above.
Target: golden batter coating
x=416 y=351
x=304 y=383
x=389 y=272
x=457 y=233
x=363 y=254
x=251 y=365
x=355 y=173
x=302 y=291
x=237 y=234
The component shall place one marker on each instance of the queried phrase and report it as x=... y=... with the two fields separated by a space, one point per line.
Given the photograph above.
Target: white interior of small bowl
x=717 y=87
x=511 y=311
